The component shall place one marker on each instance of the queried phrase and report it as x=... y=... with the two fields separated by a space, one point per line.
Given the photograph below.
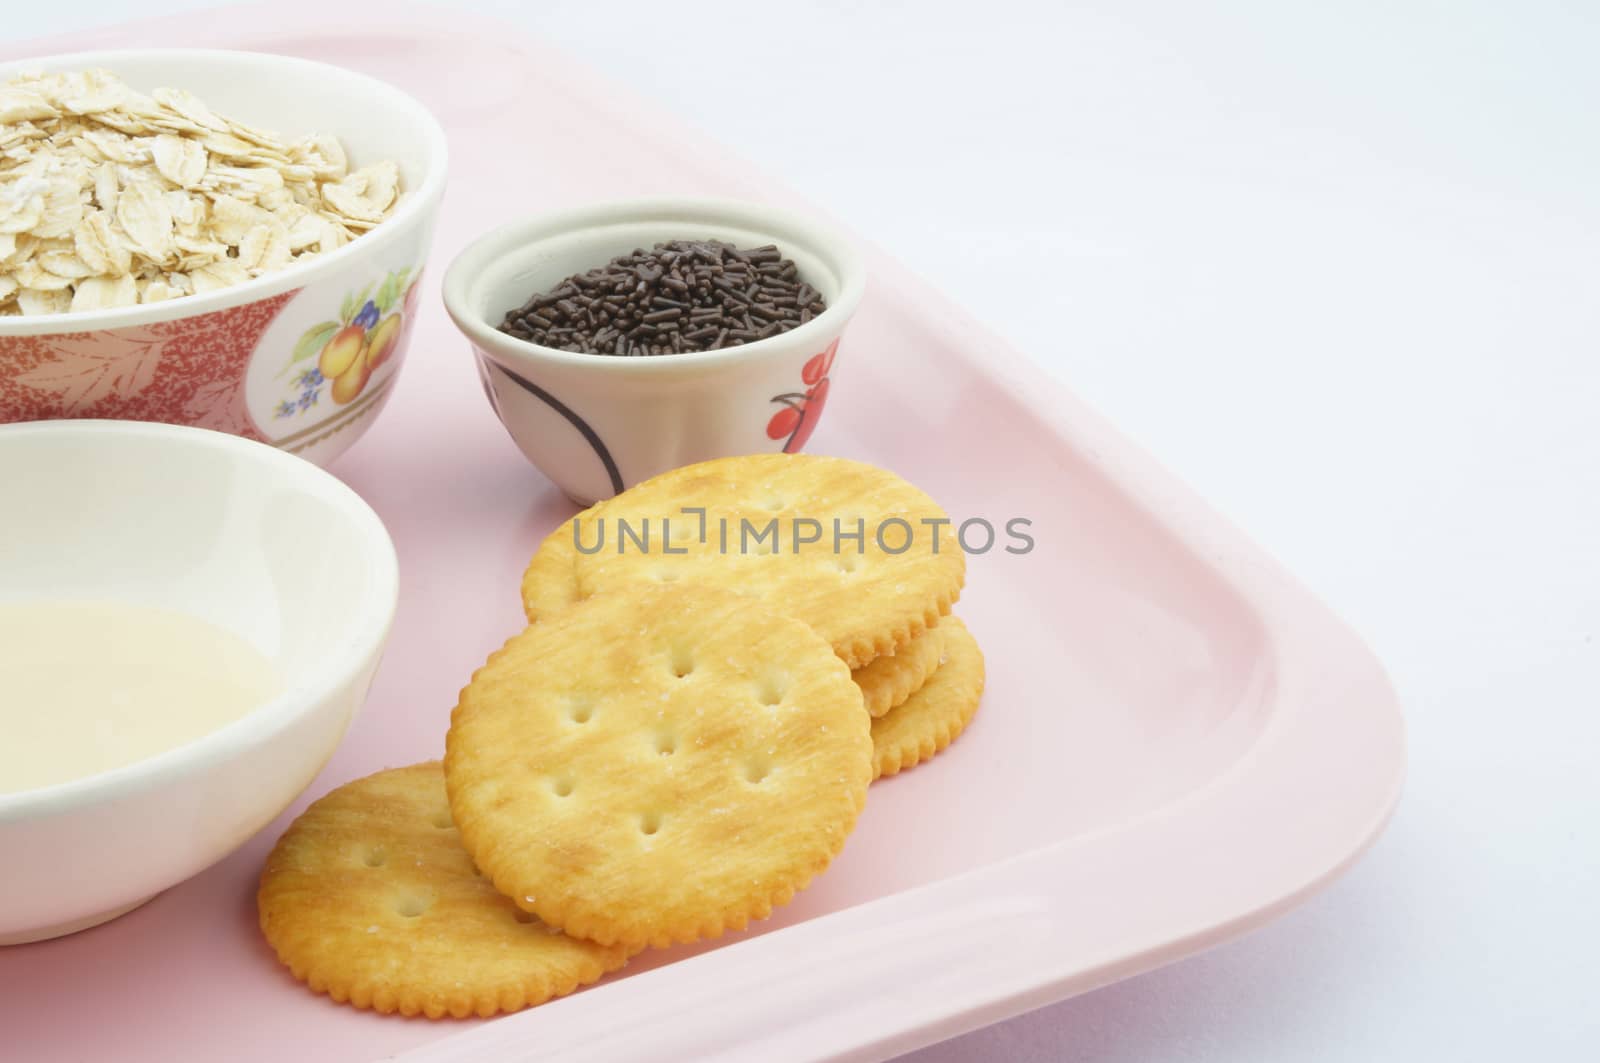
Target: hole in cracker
x=375 y=857
x=756 y=769
x=773 y=504
x=847 y=562
x=682 y=661
x=413 y=905
x=521 y=916
x=561 y=786
x=771 y=689
x=580 y=709
x=649 y=823
x=442 y=821
x=666 y=575
x=666 y=743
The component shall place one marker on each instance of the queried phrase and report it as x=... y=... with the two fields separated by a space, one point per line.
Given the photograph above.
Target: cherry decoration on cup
x=801 y=409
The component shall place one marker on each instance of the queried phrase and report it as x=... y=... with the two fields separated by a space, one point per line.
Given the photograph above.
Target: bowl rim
x=414 y=204
x=778 y=225
x=369 y=628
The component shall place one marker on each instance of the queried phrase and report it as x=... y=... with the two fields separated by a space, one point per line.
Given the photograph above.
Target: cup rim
x=776 y=224
x=370 y=627
x=413 y=205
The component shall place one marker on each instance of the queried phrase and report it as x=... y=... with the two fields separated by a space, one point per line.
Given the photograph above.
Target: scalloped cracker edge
x=929 y=720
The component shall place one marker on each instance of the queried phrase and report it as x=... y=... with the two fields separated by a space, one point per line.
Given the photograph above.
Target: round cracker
x=657 y=765
x=866 y=602
x=934 y=716
x=370 y=898
x=886 y=682
x=550 y=584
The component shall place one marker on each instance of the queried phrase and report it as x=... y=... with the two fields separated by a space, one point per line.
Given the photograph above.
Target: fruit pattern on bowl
x=350 y=350
x=801 y=410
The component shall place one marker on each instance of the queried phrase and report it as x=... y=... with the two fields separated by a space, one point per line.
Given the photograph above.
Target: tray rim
x=1017 y=946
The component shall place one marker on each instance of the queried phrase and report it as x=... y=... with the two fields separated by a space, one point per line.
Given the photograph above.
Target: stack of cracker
x=920 y=678
x=680 y=741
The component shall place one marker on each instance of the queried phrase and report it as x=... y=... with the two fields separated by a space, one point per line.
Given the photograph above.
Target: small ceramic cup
x=597 y=424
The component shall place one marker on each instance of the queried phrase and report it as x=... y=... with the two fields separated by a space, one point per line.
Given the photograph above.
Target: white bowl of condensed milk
x=188 y=623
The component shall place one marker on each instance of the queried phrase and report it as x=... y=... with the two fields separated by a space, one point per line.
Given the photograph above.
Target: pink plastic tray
x=1177 y=743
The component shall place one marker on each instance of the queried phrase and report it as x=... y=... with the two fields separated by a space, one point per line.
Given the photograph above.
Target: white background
x=1337 y=265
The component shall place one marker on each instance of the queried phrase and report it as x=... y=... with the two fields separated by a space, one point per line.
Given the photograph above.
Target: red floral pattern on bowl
x=186 y=371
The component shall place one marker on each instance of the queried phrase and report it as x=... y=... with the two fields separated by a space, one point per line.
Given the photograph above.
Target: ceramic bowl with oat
x=248 y=358
x=263 y=546
x=598 y=424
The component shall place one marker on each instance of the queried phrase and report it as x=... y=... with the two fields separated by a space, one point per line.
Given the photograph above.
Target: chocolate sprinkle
x=681 y=296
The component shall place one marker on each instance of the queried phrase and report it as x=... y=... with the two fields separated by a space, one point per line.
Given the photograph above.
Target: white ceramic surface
x=226 y=359
x=238 y=534
x=597 y=424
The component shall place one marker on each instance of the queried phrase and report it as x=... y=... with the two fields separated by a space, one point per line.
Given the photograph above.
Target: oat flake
x=110 y=197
